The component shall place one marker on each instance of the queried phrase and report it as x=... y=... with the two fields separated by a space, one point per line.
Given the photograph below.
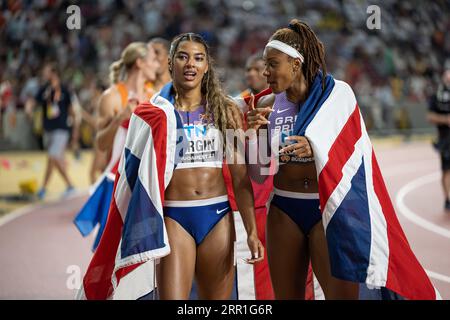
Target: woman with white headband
x=295 y=235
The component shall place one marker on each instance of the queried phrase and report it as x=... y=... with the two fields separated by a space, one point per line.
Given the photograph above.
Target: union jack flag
x=123 y=266
x=365 y=240
x=135 y=234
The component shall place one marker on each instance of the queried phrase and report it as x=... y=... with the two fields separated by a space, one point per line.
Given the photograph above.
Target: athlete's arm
x=244 y=198
x=109 y=121
x=257 y=121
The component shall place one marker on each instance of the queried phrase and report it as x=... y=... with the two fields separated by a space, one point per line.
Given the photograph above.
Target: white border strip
x=245 y=271
x=195 y=203
x=295 y=195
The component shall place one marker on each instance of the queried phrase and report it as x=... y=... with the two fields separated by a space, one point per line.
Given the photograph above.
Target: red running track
x=37 y=250
x=42 y=255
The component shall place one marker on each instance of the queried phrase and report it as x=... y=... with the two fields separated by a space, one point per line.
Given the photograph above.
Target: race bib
x=53 y=111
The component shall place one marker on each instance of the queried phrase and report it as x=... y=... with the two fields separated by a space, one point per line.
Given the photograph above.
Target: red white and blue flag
x=135 y=236
x=95 y=211
x=366 y=243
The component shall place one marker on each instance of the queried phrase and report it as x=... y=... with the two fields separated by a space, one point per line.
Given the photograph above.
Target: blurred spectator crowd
x=393 y=69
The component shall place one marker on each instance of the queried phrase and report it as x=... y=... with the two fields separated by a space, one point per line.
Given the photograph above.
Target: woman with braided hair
x=197 y=214
x=295 y=61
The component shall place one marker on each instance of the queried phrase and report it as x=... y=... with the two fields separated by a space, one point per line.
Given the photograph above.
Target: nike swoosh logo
x=220 y=211
x=281 y=111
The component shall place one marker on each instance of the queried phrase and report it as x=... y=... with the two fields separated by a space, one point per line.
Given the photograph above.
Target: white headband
x=283 y=47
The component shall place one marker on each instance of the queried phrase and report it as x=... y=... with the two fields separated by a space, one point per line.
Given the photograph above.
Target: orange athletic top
x=123 y=91
x=150 y=88
x=123 y=94
x=245 y=93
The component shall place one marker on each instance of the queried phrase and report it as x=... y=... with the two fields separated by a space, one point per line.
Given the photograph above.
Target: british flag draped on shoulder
x=135 y=235
x=365 y=240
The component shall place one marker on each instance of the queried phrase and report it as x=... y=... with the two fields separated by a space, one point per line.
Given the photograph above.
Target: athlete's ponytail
x=301 y=37
x=130 y=54
x=114 y=71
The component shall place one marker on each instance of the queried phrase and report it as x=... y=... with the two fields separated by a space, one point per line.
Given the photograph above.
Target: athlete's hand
x=301 y=148
x=257 y=117
x=256 y=248
x=235 y=117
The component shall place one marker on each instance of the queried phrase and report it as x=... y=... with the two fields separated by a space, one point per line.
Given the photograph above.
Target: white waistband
x=295 y=195
x=211 y=164
x=195 y=203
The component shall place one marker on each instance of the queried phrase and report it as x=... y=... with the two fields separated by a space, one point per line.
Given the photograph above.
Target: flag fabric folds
x=365 y=240
x=135 y=234
x=135 y=237
x=95 y=210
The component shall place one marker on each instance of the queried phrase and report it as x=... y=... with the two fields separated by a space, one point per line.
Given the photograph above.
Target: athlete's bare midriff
x=291 y=177
x=196 y=184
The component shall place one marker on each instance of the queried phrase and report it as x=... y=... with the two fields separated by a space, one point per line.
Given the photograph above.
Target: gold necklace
x=179 y=107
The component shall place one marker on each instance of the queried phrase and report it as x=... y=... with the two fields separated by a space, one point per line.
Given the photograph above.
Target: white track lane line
x=411 y=215
x=438 y=276
x=416 y=219
x=8 y=217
